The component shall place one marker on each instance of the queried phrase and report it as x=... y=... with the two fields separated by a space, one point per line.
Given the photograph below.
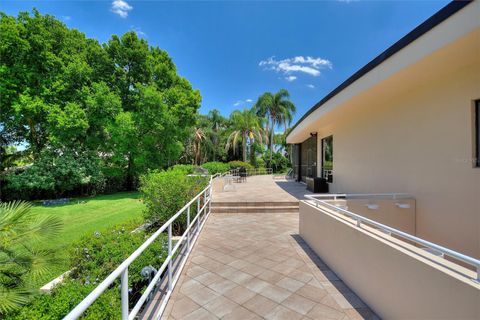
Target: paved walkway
x=255 y=266
x=260 y=189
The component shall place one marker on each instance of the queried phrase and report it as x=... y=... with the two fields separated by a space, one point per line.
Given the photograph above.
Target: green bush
x=166 y=192
x=235 y=164
x=93 y=258
x=57 y=174
x=65 y=297
x=186 y=168
x=216 y=167
x=260 y=162
x=96 y=255
x=279 y=162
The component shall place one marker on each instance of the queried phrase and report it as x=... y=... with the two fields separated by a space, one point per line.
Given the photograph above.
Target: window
x=308 y=158
x=327 y=158
x=477 y=134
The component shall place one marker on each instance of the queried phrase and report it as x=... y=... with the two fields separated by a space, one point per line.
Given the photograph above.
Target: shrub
x=56 y=174
x=65 y=297
x=93 y=258
x=279 y=162
x=186 y=168
x=216 y=167
x=96 y=255
x=235 y=164
x=166 y=192
x=260 y=162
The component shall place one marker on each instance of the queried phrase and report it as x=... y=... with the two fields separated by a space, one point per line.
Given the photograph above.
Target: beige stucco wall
x=413 y=133
x=418 y=142
x=387 y=213
x=397 y=280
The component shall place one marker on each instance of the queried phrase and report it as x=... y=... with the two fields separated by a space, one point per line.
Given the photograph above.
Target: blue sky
x=234 y=51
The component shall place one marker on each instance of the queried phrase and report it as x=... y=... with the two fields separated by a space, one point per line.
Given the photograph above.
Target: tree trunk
x=271 y=140
x=244 y=147
x=129 y=180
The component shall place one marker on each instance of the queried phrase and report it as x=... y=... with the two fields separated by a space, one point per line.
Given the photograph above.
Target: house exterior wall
x=397 y=280
x=417 y=140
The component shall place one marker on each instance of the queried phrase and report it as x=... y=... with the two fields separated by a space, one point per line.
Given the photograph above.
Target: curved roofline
x=413 y=35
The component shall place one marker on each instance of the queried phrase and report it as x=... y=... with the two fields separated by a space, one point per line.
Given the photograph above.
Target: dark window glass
x=327 y=158
x=308 y=158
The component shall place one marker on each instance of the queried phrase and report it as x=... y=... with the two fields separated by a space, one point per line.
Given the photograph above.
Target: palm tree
x=198 y=137
x=217 y=122
x=277 y=108
x=20 y=261
x=246 y=126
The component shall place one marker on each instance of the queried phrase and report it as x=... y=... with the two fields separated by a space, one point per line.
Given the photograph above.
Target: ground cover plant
x=93 y=257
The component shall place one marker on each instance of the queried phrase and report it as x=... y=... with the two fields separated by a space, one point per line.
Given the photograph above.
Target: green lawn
x=85 y=216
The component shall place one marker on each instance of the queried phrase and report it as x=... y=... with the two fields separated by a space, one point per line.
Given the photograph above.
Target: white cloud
x=290 y=78
x=242 y=102
x=299 y=64
x=121 y=8
x=66 y=18
x=311 y=86
x=139 y=32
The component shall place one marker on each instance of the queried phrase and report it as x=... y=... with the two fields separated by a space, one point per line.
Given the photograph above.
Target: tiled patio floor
x=254 y=266
x=260 y=188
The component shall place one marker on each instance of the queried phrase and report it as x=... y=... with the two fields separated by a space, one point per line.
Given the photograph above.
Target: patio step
x=255 y=207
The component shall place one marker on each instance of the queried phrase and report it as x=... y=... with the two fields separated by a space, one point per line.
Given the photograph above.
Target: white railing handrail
x=359 y=219
x=122 y=269
x=337 y=196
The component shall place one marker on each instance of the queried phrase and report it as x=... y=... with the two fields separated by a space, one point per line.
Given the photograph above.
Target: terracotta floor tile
x=183 y=307
x=275 y=293
x=220 y=306
x=200 y=314
x=290 y=284
x=260 y=305
x=282 y=313
x=299 y=304
x=252 y=266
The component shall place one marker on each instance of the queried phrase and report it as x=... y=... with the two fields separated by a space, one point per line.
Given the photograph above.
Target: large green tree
x=123 y=102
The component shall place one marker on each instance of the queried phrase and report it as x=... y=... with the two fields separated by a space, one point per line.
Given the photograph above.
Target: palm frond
x=12 y=299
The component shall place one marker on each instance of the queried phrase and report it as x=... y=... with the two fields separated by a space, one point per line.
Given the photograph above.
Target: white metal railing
x=253 y=172
x=259 y=171
x=122 y=270
x=323 y=201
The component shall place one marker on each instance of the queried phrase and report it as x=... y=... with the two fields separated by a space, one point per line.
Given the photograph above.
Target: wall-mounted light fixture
x=403 y=205
x=372 y=206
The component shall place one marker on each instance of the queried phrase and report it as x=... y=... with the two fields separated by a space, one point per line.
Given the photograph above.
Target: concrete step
x=254 y=209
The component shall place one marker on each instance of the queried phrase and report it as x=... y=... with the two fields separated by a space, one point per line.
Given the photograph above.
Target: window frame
x=329 y=178
x=476 y=138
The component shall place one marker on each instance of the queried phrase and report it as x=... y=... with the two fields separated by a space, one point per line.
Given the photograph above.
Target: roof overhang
x=456 y=24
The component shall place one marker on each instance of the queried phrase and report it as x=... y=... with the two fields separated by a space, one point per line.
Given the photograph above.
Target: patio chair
x=242 y=172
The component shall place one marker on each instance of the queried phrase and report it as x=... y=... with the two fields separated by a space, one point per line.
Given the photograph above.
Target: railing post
x=478 y=273
x=198 y=214
x=209 y=199
x=358 y=222
x=124 y=294
x=188 y=226
x=170 y=257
